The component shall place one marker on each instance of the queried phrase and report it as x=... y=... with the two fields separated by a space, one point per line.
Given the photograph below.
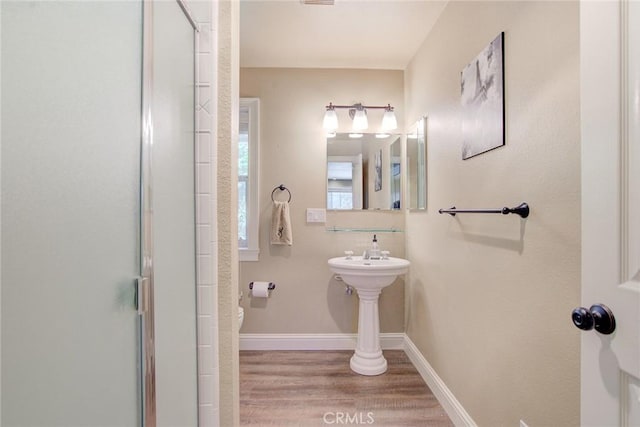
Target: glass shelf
x=364 y=230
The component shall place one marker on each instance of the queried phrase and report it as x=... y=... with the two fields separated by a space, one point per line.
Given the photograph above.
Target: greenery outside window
x=248 y=170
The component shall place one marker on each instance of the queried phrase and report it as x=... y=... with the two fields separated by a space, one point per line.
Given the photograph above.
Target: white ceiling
x=379 y=34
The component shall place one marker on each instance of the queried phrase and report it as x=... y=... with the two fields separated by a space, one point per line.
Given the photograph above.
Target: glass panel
x=248 y=186
x=70 y=212
x=417 y=165
x=243 y=241
x=395 y=174
x=370 y=157
x=243 y=178
x=174 y=216
x=243 y=154
x=340 y=185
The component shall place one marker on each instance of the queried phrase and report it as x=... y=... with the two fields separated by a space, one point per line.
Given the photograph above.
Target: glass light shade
x=330 y=121
x=360 y=121
x=389 y=121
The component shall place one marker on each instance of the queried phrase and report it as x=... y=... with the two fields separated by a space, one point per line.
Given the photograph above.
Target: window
x=344 y=182
x=248 y=161
x=340 y=185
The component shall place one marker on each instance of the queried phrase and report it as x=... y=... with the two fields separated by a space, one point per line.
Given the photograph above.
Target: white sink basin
x=368 y=276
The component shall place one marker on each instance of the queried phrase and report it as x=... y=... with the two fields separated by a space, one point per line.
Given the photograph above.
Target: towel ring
x=281 y=187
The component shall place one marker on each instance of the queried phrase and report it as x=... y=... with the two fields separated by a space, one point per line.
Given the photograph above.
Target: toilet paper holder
x=271 y=286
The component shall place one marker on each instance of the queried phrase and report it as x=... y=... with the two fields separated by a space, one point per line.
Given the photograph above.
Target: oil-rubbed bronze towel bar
x=522 y=209
x=281 y=187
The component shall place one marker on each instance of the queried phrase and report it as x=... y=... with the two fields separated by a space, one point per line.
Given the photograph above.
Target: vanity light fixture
x=330 y=122
x=358 y=114
x=389 y=121
x=360 y=121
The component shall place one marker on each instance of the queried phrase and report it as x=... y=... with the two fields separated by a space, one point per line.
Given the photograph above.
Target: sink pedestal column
x=368 y=358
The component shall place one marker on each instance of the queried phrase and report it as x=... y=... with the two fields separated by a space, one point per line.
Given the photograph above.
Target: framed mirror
x=416 y=168
x=363 y=172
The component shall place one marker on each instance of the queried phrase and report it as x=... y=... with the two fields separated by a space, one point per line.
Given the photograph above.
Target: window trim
x=252 y=252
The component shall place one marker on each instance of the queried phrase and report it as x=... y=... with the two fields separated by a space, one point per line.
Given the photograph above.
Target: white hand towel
x=281 y=224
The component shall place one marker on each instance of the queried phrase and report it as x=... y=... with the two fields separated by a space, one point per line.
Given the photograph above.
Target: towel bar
x=522 y=209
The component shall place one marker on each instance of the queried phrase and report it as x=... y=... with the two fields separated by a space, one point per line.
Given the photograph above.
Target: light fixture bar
x=318 y=2
x=355 y=106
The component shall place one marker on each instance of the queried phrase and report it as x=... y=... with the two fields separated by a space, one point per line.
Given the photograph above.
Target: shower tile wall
x=208 y=393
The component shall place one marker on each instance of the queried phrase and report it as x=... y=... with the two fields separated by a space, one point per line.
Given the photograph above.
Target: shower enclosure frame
x=145 y=283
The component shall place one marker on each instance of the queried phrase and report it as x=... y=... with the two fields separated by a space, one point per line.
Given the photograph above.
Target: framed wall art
x=378 y=170
x=482 y=90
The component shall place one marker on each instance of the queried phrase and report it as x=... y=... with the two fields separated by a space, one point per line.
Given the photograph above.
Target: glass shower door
x=70 y=212
x=73 y=84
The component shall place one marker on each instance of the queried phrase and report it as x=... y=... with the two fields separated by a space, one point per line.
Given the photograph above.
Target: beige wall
x=489 y=297
x=293 y=152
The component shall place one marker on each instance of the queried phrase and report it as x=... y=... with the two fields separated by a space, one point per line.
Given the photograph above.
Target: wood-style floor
x=317 y=388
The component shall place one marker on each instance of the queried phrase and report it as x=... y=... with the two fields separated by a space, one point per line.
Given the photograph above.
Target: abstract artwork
x=482 y=88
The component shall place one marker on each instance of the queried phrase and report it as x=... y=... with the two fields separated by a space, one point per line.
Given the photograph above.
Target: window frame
x=252 y=251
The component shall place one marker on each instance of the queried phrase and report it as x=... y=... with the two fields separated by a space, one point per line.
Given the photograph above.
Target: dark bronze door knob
x=598 y=317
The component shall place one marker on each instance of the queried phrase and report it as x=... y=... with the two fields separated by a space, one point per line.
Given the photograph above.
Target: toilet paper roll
x=260 y=290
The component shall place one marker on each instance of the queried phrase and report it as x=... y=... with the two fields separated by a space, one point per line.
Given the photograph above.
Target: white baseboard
x=388 y=341
x=451 y=405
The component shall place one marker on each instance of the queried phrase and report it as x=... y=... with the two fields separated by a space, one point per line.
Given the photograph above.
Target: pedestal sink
x=368 y=277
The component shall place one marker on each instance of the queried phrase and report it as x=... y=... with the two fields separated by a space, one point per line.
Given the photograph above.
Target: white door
x=610 y=104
